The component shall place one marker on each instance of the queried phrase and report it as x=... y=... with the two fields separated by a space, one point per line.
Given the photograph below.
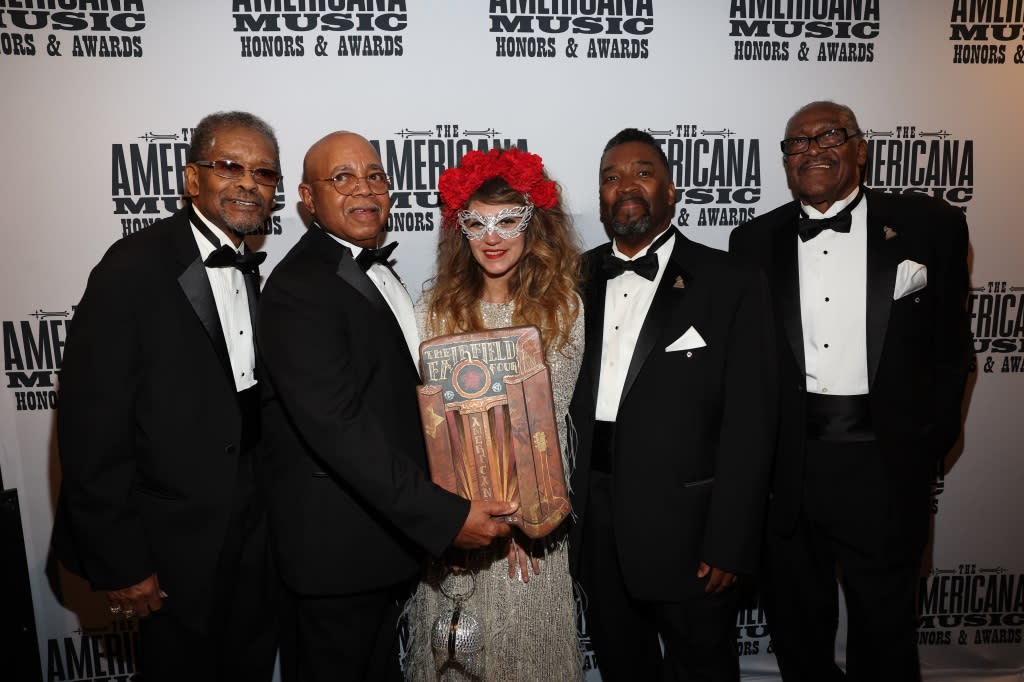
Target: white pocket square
x=688 y=341
x=910 y=277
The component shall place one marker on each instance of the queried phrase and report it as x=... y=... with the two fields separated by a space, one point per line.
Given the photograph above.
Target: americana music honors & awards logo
x=108 y=653
x=996 y=311
x=33 y=349
x=971 y=604
x=804 y=30
x=320 y=28
x=571 y=29
x=75 y=28
x=716 y=171
x=982 y=30
x=913 y=159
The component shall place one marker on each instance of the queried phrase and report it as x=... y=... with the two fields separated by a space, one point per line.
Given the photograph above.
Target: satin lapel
x=252 y=291
x=350 y=271
x=196 y=286
x=882 y=262
x=667 y=303
x=785 y=277
x=593 y=322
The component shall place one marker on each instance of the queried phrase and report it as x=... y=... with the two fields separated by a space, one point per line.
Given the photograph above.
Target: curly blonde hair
x=545 y=286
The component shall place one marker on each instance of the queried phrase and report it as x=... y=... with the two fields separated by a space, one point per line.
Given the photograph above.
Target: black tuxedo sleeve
x=322 y=367
x=96 y=430
x=732 y=536
x=952 y=334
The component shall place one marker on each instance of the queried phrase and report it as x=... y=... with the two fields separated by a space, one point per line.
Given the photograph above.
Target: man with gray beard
x=159 y=421
x=675 y=426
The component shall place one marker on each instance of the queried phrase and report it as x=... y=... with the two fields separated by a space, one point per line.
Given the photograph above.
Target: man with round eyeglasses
x=159 y=421
x=352 y=508
x=873 y=347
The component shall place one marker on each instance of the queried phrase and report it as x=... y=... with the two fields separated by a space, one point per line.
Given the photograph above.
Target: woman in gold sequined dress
x=507 y=256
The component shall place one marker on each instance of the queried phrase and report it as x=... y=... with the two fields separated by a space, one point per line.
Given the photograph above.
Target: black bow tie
x=646 y=266
x=368 y=257
x=808 y=228
x=227 y=257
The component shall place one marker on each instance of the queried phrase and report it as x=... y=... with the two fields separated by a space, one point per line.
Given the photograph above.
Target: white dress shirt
x=394 y=292
x=627 y=299
x=833 y=303
x=232 y=301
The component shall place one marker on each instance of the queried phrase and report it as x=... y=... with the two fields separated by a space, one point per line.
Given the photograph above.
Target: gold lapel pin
x=889 y=233
x=679 y=283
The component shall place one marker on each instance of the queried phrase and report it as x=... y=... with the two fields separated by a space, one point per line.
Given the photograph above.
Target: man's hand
x=519 y=558
x=480 y=528
x=719 y=581
x=138 y=600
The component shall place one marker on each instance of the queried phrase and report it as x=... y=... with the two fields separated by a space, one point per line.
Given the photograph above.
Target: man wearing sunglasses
x=873 y=348
x=159 y=421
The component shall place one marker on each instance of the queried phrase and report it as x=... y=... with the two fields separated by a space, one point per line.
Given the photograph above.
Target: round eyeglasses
x=377 y=182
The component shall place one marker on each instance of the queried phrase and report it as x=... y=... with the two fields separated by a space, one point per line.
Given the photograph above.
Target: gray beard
x=639 y=226
x=242 y=229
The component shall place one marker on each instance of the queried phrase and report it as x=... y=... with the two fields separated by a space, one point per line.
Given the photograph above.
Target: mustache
x=816 y=161
x=245 y=195
x=618 y=204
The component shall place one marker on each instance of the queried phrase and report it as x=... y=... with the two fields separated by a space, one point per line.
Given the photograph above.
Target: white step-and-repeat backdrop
x=99 y=98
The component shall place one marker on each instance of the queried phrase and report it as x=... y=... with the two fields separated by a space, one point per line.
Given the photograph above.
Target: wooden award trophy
x=489 y=421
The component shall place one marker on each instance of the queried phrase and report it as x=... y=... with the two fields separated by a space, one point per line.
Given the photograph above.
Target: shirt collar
x=835 y=208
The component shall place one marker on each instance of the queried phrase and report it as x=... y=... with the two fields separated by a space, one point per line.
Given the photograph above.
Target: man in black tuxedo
x=352 y=509
x=873 y=349
x=158 y=421
x=672 y=412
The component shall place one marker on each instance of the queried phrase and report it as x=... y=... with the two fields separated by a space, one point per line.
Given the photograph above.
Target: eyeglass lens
x=230 y=170
x=345 y=183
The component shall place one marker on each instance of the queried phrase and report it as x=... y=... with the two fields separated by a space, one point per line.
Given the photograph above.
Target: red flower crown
x=523 y=171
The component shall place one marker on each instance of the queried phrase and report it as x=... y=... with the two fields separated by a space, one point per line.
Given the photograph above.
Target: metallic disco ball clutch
x=457 y=637
x=489 y=421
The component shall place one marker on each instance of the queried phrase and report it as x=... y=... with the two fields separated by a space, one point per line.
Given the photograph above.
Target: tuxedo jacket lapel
x=353 y=275
x=346 y=267
x=252 y=292
x=597 y=285
x=786 y=283
x=350 y=271
x=195 y=285
x=668 y=303
x=882 y=263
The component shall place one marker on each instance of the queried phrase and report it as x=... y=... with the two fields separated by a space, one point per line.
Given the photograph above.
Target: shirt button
x=824 y=390
x=240 y=332
x=826 y=345
x=616 y=327
x=825 y=252
x=236 y=291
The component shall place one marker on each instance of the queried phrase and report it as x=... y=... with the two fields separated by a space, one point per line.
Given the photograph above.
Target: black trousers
x=344 y=637
x=699 y=634
x=241 y=640
x=850 y=521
